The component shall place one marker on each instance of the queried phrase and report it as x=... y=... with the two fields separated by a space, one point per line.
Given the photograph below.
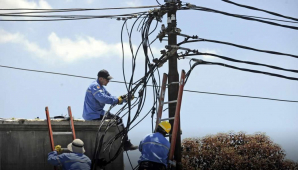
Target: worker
x=95 y=99
x=76 y=160
x=155 y=148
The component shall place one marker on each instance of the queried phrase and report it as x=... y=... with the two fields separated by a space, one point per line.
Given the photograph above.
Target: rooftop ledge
x=57 y=124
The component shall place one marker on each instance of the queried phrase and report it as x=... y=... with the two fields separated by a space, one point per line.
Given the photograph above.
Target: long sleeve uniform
x=96 y=98
x=70 y=161
x=155 y=148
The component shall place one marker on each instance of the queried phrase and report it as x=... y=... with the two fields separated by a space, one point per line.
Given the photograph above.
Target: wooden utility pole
x=173 y=75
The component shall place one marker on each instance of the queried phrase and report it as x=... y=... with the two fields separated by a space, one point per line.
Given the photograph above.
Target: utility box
x=25 y=144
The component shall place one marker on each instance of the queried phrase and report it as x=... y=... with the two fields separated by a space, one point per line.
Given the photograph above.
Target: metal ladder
x=177 y=112
x=51 y=133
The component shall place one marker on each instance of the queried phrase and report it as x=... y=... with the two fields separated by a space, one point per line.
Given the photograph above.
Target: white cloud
x=18 y=38
x=83 y=47
x=68 y=50
x=7 y=37
x=24 y=4
x=133 y=3
x=90 y=1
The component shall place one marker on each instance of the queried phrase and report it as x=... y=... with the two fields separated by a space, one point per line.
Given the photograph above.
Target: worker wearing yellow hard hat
x=155 y=148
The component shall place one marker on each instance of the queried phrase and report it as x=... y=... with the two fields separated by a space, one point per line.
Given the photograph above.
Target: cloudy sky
x=84 y=47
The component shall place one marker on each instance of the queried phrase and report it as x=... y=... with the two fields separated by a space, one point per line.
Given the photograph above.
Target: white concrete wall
x=24 y=144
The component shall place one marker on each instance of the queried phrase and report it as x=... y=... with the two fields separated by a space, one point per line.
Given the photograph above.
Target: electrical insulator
x=169 y=20
x=163 y=27
x=173 y=17
x=168 y=1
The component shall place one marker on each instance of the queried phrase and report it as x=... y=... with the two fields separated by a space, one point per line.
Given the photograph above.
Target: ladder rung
x=173 y=101
x=62 y=133
x=172 y=83
x=171 y=118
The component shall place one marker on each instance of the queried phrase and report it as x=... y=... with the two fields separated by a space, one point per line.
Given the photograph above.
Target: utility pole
x=173 y=75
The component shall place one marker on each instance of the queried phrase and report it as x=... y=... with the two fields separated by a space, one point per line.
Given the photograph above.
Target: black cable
x=158 y=2
x=257 y=9
x=240 y=16
x=130 y=89
x=148 y=85
x=248 y=70
x=70 y=17
x=73 y=16
x=235 y=95
x=295 y=22
x=76 y=9
x=240 y=61
x=239 y=46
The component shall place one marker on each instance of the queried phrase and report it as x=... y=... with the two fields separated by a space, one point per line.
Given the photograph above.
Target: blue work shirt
x=96 y=98
x=155 y=148
x=70 y=161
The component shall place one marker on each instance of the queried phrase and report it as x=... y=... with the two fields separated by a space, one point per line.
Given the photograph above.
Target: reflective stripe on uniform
x=156 y=144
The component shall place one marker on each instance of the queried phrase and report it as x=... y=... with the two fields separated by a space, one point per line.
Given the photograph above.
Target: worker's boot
x=128 y=146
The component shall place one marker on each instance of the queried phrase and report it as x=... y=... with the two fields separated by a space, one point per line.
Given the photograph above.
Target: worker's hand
x=120 y=99
x=125 y=99
x=58 y=148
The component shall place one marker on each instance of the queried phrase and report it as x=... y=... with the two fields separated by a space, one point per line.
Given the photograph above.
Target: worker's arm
x=103 y=97
x=55 y=159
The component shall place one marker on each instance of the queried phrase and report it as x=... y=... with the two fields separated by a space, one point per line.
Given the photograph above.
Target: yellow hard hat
x=165 y=126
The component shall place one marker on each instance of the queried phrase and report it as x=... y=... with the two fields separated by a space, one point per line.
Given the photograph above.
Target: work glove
x=124 y=98
x=120 y=99
x=58 y=148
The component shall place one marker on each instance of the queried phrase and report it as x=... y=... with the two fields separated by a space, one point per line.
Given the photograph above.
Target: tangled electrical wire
x=139 y=87
x=143 y=22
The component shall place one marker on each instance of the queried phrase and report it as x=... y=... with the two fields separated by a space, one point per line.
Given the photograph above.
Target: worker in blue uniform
x=76 y=160
x=95 y=99
x=155 y=148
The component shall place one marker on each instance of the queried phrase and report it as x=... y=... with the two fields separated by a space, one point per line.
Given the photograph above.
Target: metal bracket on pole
x=170 y=1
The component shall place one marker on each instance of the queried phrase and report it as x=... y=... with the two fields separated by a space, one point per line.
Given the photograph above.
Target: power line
x=257 y=9
x=295 y=22
x=71 y=17
x=237 y=16
x=239 y=46
x=234 y=95
x=199 y=62
x=193 y=91
x=240 y=61
x=77 y=9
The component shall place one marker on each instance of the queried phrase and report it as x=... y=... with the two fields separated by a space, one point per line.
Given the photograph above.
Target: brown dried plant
x=234 y=151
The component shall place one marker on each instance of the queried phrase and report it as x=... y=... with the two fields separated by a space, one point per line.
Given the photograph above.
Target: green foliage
x=234 y=151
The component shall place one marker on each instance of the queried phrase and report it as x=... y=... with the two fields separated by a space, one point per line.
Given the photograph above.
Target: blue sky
x=86 y=46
